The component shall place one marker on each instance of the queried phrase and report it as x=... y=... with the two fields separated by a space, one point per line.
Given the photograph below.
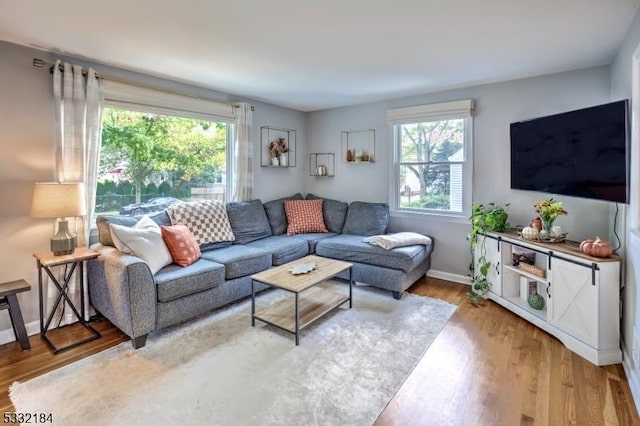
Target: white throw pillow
x=143 y=240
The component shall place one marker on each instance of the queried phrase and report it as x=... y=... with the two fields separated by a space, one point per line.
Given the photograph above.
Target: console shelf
x=580 y=292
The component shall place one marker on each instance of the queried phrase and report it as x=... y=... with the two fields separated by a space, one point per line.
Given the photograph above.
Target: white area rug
x=218 y=370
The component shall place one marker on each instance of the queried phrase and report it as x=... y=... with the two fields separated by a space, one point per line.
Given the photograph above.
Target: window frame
x=114 y=101
x=431 y=113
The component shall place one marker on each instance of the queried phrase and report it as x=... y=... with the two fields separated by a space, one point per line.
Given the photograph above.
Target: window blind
x=145 y=99
x=430 y=112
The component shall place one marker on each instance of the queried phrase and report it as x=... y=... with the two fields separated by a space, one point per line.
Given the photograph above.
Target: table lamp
x=59 y=200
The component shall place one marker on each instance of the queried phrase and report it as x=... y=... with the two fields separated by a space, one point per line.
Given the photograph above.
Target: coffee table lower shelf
x=312 y=304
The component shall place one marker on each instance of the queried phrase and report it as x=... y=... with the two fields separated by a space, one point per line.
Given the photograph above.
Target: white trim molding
x=7 y=335
x=632 y=377
x=461 y=279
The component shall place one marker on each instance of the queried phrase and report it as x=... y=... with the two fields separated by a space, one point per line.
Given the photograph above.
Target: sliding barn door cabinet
x=576 y=297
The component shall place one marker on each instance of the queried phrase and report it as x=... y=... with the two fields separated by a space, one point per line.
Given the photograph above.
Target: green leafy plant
x=484 y=218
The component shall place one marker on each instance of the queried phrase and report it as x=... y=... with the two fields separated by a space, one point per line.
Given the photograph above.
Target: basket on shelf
x=532 y=269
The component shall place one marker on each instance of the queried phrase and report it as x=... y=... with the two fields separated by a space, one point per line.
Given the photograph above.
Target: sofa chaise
x=124 y=289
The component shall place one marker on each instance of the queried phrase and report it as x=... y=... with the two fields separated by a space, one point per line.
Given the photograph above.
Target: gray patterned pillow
x=207 y=220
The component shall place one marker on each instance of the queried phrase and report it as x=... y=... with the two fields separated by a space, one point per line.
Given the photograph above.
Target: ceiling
x=318 y=54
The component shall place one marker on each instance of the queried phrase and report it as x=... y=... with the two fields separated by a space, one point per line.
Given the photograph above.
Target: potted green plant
x=484 y=218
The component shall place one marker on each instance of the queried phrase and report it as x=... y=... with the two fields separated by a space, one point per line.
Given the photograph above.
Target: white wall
x=271 y=182
x=26 y=139
x=497 y=105
x=622 y=87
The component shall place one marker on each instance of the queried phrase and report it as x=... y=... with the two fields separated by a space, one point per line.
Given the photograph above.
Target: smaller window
x=432 y=164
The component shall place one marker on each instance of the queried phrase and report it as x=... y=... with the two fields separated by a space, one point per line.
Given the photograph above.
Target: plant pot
x=274 y=161
x=284 y=160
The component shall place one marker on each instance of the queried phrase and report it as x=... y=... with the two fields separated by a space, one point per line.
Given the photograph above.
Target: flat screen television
x=582 y=153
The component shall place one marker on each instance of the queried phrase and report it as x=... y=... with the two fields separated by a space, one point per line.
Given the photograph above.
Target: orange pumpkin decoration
x=596 y=248
x=584 y=243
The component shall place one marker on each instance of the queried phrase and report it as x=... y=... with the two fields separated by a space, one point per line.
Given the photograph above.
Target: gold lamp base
x=63 y=242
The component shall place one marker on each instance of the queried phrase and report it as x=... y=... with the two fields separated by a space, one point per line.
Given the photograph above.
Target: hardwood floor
x=490 y=367
x=18 y=365
x=487 y=367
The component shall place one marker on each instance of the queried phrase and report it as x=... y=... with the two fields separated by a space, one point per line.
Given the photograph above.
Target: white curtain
x=243 y=154
x=78 y=120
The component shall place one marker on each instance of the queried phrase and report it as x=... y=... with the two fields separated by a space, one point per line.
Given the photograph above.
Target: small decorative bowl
x=302 y=268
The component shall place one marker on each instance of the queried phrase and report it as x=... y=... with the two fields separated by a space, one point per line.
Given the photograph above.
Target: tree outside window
x=148 y=158
x=431 y=157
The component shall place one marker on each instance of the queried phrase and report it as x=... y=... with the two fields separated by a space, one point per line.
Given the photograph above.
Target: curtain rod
x=40 y=63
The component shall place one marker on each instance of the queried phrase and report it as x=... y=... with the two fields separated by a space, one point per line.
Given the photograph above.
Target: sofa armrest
x=122 y=288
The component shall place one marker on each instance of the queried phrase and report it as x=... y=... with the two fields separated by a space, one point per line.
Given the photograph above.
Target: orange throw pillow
x=304 y=216
x=181 y=243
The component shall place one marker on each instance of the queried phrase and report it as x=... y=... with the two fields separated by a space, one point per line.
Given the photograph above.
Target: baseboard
x=7 y=336
x=462 y=279
x=633 y=376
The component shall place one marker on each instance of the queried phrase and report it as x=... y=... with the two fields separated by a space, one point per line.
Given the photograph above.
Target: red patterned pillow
x=304 y=216
x=181 y=243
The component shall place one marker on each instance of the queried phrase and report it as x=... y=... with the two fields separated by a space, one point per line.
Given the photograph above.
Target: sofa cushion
x=103 y=222
x=207 y=220
x=143 y=240
x=334 y=213
x=174 y=281
x=276 y=215
x=366 y=218
x=216 y=245
x=240 y=260
x=283 y=248
x=312 y=238
x=304 y=216
x=351 y=248
x=248 y=221
x=181 y=243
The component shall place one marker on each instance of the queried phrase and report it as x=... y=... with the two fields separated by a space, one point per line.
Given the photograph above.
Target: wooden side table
x=46 y=261
x=9 y=300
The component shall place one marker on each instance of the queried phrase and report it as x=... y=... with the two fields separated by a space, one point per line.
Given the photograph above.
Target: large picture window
x=159 y=148
x=432 y=158
x=149 y=161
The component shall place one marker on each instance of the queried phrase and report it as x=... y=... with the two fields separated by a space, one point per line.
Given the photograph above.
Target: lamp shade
x=58 y=199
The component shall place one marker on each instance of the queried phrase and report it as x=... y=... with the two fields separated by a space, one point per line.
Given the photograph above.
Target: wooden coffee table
x=310 y=301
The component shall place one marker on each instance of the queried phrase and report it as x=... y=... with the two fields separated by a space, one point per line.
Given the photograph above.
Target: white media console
x=582 y=293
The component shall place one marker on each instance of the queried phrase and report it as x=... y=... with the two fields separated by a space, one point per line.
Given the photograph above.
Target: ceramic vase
x=274 y=161
x=536 y=301
x=284 y=160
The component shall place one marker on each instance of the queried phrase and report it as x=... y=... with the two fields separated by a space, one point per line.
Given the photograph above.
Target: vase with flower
x=274 y=153
x=283 y=151
x=549 y=210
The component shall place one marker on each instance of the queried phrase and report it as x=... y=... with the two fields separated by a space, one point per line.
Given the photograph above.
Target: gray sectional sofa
x=123 y=289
